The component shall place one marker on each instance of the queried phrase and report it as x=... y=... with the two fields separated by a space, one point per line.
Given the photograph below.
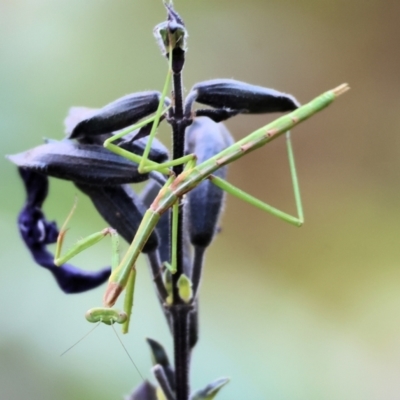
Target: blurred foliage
x=310 y=313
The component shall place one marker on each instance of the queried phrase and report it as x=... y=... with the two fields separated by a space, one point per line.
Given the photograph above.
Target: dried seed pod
x=236 y=95
x=134 y=142
x=82 y=163
x=205 y=138
x=76 y=115
x=122 y=209
x=117 y=115
x=217 y=115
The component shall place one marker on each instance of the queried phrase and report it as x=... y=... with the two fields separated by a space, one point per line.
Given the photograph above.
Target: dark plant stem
x=178 y=127
x=180 y=330
x=177 y=82
x=179 y=310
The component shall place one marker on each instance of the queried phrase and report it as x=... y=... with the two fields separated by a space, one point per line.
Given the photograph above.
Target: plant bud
x=210 y=391
x=185 y=288
x=159 y=356
x=171 y=33
x=158 y=352
x=145 y=391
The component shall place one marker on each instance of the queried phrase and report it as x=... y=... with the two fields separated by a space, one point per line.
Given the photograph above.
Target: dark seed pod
x=205 y=138
x=81 y=163
x=236 y=95
x=134 y=142
x=158 y=152
x=117 y=115
x=122 y=209
x=78 y=114
x=217 y=115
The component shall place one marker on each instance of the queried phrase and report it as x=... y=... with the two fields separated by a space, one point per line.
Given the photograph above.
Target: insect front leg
x=106 y=315
x=84 y=243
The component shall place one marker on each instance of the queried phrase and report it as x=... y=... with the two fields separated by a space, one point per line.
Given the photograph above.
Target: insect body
x=195 y=174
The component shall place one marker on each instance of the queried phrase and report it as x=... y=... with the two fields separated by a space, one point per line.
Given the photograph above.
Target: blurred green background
x=310 y=313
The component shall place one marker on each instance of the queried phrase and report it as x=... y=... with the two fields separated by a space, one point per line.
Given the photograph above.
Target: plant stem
x=180 y=331
x=179 y=310
x=178 y=150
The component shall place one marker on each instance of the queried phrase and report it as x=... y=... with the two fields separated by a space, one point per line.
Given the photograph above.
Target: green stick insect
x=110 y=151
x=226 y=98
x=123 y=273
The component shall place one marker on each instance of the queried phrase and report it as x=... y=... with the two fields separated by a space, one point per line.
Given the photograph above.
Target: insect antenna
x=126 y=351
x=83 y=337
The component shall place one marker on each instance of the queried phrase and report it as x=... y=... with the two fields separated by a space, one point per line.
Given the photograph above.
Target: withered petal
x=37 y=233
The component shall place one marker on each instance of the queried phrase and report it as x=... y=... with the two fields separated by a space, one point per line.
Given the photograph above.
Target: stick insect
x=103 y=173
x=123 y=272
x=172 y=35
